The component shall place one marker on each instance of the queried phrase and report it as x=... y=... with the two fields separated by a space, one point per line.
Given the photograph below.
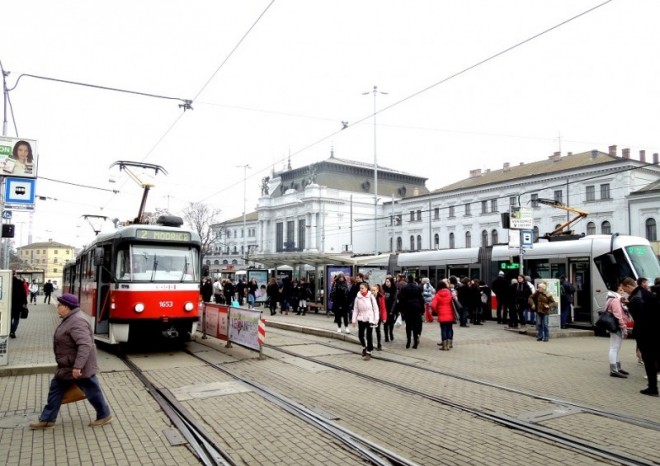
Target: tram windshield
x=644 y=261
x=153 y=263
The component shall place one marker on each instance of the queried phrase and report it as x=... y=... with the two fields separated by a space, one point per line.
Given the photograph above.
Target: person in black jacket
x=48 y=290
x=273 y=295
x=389 y=288
x=566 y=299
x=521 y=292
x=18 y=302
x=339 y=296
x=463 y=295
x=501 y=287
x=411 y=305
x=206 y=290
x=645 y=310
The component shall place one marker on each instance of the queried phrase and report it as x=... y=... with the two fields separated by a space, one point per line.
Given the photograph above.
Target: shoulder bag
x=24 y=312
x=457 y=307
x=607 y=321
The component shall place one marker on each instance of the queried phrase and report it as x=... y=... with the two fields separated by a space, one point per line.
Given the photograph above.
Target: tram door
x=103 y=295
x=580 y=277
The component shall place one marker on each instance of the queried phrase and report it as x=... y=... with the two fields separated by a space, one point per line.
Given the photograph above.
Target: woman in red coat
x=379 y=294
x=441 y=304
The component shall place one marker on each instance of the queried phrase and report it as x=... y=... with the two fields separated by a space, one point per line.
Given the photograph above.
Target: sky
x=467 y=85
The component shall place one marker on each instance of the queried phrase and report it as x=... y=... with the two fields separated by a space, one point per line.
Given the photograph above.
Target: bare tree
x=201 y=217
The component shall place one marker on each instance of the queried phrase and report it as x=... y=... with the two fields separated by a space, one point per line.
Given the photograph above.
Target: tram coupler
x=171 y=333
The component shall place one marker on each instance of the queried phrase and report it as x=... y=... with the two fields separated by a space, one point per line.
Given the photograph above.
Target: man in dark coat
x=501 y=288
x=75 y=354
x=339 y=297
x=18 y=302
x=645 y=310
x=411 y=305
x=567 y=291
x=48 y=290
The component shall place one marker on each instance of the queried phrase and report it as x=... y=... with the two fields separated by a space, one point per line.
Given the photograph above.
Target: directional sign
x=19 y=192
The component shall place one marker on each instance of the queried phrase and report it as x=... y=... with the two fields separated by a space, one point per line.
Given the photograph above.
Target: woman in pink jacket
x=365 y=315
x=616 y=307
x=441 y=304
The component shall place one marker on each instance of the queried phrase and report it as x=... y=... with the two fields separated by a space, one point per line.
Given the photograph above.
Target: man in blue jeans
x=75 y=354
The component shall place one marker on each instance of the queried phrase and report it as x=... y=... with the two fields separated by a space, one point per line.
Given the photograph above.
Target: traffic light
x=506 y=220
x=7 y=230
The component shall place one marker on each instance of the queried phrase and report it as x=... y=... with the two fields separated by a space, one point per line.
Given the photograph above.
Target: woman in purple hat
x=75 y=354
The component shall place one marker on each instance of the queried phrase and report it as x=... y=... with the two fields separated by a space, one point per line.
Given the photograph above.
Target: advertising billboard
x=18 y=157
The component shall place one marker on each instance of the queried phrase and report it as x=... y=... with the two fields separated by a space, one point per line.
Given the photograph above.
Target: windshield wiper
x=153 y=273
x=185 y=269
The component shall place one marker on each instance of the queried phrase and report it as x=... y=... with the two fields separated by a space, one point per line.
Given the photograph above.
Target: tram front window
x=644 y=261
x=157 y=264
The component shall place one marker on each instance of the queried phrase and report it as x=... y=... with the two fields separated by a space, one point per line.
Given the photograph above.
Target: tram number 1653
x=166 y=303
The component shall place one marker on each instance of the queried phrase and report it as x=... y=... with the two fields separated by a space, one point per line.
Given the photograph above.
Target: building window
x=436 y=213
x=601 y=190
x=55 y=270
x=558 y=196
x=513 y=201
x=494 y=237
x=290 y=244
x=419 y=215
x=484 y=207
x=651 y=232
x=484 y=238
x=301 y=234
x=279 y=237
x=399 y=243
x=228 y=233
x=452 y=242
x=493 y=205
x=605 y=191
x=452 y=212
x=605 y=228
x=54 y=260
x=591 y=193
x=412 y=215
x=467 y=210
x=535 y=200
x=436 y=241
x=419 y=242
x=412 y=243
x=591 y=228
x=468 y=239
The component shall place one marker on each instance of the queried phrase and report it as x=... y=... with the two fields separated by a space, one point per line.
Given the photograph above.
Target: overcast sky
x=298 y=73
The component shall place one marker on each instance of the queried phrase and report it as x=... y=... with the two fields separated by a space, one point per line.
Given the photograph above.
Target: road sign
x=521 y=218
x=19 y=192
x=527 y=239
x=6 y=214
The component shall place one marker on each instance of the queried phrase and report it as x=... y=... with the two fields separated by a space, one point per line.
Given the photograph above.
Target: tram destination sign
x=162 y=235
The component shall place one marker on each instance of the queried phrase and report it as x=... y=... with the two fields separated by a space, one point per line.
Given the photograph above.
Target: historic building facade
x=48 y=256
x=330 y=207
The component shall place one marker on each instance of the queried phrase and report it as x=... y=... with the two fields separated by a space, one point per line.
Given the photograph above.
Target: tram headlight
x=139 y=307
x=188 y=306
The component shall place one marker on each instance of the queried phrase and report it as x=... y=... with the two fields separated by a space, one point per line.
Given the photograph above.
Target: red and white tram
x=139 y=281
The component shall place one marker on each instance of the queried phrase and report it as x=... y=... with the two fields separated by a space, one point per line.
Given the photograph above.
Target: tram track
x=551 y=435
x=208 y=451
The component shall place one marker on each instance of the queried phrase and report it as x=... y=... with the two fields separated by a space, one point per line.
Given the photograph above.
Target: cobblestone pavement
x=258 y=432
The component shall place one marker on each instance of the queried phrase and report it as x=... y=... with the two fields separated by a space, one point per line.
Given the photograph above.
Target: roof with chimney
x=553 y=164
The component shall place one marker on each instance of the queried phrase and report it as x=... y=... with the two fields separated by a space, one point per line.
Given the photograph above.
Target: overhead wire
x=417 y=93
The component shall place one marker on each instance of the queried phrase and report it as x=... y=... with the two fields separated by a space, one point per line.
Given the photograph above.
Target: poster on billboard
x=244 y=327
x=373 y=275
x=261 y=276
x=331 y=272
x=18 y=157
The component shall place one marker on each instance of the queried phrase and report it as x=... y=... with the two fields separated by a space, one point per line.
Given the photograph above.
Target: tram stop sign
x=527 y=239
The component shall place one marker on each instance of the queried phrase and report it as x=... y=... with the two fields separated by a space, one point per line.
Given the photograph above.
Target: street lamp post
x=375 y=92
x=245 y=252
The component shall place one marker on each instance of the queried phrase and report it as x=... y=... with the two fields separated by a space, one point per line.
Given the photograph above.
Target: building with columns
x=328 y=207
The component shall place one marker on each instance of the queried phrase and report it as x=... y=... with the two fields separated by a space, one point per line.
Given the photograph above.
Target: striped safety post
x=262 y=336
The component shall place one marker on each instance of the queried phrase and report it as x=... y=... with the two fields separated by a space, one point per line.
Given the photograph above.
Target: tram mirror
x=98 y=256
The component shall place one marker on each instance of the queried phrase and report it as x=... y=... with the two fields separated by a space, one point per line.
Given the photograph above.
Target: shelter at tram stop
x=319 y=268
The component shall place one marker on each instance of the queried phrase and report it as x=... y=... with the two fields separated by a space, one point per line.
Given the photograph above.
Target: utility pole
x=245 y=251
x=375 y=92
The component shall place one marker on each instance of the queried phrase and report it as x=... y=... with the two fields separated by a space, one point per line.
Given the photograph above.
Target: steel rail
x=528 y=427
x=202 y=444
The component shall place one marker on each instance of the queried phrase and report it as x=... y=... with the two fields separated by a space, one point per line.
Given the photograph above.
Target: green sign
x=509 y=266
x=162 y=235
x=5 y=150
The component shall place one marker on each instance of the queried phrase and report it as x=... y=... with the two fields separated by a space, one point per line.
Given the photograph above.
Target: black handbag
x=24 y=312
x=457 y=307
x=607 y=322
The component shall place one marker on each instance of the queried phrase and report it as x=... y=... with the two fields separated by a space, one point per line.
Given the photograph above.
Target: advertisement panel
x=521 y=218
x=261 y=276
x=18 y=157
x=331 y=272
x=244 y=327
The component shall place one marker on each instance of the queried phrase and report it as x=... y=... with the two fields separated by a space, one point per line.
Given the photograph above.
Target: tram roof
x=438 y=257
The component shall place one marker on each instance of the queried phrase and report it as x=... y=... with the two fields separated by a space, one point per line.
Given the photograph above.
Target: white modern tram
x=594 y=264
